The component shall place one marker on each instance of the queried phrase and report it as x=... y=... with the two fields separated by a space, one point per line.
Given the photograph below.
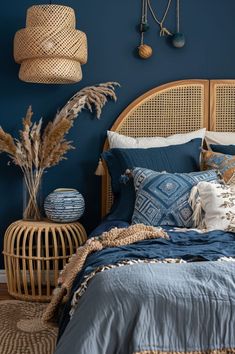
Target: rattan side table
x=34 y=254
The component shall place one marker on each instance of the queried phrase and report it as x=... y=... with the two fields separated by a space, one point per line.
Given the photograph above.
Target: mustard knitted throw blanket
x=113 y=238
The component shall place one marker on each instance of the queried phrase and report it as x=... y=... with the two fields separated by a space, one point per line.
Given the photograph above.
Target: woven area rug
x=22 y=331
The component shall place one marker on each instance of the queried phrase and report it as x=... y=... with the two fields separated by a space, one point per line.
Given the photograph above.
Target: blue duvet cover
x=150 y=307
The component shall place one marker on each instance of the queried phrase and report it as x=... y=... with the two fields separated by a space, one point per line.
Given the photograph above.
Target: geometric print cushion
x=162 y=198
x=224 y=163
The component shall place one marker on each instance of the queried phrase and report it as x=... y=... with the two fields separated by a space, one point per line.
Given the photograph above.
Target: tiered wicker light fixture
x=50 y=50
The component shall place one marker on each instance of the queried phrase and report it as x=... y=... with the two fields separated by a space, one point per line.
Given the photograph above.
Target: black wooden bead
x=144 y=27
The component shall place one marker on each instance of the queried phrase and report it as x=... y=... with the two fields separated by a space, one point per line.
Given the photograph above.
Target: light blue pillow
x=162 y=198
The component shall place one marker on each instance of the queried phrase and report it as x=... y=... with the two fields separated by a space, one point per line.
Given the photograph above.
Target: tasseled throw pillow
x=214 y=206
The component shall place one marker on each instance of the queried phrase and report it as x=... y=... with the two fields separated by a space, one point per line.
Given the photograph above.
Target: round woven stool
x=34 y=254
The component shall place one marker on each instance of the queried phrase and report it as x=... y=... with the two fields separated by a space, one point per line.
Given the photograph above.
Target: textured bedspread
x=164 y=307
x=155 y=307
x=189 y=246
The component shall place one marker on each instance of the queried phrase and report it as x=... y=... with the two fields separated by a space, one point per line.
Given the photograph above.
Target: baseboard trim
x=3 y=278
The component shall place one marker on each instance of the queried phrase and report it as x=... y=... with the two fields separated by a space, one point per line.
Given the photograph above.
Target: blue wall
x=111 y=29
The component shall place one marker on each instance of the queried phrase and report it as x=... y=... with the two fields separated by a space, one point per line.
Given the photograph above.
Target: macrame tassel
x=195 y=203
x=193 y=197
x=100 y=171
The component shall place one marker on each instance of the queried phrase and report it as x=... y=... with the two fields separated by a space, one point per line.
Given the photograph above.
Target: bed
x=155 y=290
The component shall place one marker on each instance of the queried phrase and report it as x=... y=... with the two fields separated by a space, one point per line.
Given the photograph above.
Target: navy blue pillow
x=182 y=158
x=107 y=226
x=223 y=149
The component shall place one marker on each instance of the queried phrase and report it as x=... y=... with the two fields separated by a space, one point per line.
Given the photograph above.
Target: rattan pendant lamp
x=50 y=49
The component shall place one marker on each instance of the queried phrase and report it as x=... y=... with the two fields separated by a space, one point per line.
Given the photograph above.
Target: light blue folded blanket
x=159 y=307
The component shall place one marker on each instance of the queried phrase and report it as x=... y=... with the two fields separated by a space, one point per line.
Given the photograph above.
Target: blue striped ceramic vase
x=64 y=205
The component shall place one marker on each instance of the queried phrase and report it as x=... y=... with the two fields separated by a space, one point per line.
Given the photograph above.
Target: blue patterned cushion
x=181 y=158
x=162 y=198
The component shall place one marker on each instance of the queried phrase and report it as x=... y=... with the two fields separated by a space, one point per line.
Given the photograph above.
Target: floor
x=4 y=293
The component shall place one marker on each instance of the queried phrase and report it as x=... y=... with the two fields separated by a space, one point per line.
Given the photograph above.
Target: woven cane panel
x=179 y=108
x=176 y=110
x=222 y=118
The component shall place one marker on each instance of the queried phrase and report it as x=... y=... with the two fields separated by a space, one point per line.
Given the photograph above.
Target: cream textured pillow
x=213 y=206
x=219 y=138
x=122 y=141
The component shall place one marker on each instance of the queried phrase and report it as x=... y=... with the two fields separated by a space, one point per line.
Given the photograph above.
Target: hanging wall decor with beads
x=163 y=30
x=144 y=50
x=50 y=49
x=177 y=39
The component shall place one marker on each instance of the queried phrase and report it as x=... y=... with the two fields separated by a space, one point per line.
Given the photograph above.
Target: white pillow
x=217 y=201
x=219 y=138
x=122 y=141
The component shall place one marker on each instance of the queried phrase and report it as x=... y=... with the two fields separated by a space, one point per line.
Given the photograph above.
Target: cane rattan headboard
x=176 y=107
x=222 y=105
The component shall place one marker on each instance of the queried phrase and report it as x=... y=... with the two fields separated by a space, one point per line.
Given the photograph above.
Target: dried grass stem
x=35 y=151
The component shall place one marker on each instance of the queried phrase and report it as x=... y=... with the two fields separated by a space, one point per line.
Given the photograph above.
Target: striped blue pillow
x=162 y=198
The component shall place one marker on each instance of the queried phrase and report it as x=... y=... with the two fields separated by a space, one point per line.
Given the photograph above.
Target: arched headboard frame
x=176 y=107
x=172 y=108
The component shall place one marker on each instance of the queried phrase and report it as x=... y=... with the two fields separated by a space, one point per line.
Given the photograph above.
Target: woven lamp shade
x=50 y=50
